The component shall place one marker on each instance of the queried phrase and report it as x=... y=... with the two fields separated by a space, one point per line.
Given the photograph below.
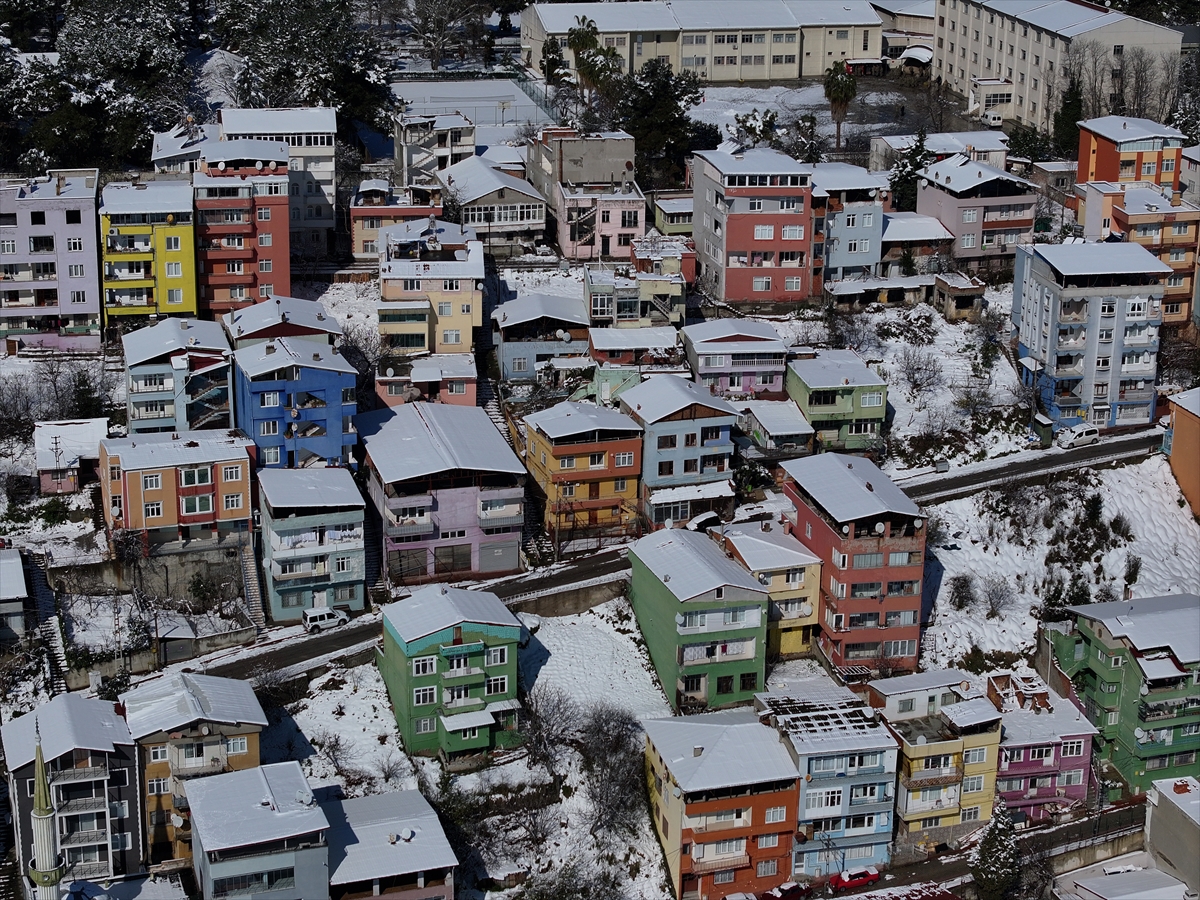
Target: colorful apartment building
x=842 y=397
x=531 y=330
x=666 y=254
x=439 y=378
x=626 y=356
x=1135 y=664
x=703 y=617
x=791 y=575
x=623 y=298
x=242 y=228
x=737 y=357
x=850 y=217
x=187 y=725
x=176 y=377
x=506 y=211
x=449 y=660
x=870 y=539
x=449 y=489
x=725 y=823
x=49 y=257
x=281 y=317
x=1124 y=149
x=1182 y=443
x=176 y=487
x=379 y=204
x=585 y=460
x=753 y=225
x=149 y=249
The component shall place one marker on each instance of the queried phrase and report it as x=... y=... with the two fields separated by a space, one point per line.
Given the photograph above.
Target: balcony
x=923 y=778
x=462 y=674
x=1168 y=709
x=140 y=414
x=81 y=870
x=83 y=805
x=719 y=825
x=1068 y=399
x=180 y=801
x=317 y=572
x=138 y=387
x=214 y=760
x=699 y=867
x=79 y=773
x=76 y=838
x=1072 y=339
x=1073 y=313
x=1069 y=370
x=464 y=703
x=501 y=518
x=409 y=527
x=920 y=806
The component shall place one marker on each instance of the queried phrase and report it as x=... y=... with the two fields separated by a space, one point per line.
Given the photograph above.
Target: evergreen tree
x=1079 y=592
x=996 y=861
x=652 y=105
x=840 y=89
x=907 y=171
x=1029 y=143
x=1054 y=606
x=1066 y=122
x=1187 y=117
x=553 y=65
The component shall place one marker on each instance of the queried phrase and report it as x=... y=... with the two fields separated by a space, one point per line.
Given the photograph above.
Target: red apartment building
x=753 y=225
x=1123 y=149
x=870 y=539
x=243 y=250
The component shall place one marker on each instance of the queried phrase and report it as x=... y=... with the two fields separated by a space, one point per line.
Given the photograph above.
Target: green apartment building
x=704 y=619
x=843 y=399
x=449 y=660
x=1136 y=666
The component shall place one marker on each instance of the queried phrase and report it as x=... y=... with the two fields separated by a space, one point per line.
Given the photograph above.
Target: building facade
x=1184 y=434
x=840 y=396
x=854 y=202
x=176 y=377
x=733 y=357
x=505 y=211
x=379 y=204
x=532 y=329
x=1121 y=149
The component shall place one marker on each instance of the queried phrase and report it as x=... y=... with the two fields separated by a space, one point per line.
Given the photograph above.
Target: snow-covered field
x=722 y=104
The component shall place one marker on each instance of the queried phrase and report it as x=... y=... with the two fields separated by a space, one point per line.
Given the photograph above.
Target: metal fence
x=1110 y=822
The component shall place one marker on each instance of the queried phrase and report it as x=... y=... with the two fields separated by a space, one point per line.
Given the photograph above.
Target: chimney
x=270 y=348
x=697 y=750
x=183 y=325
x=59 y=183
x=1176 y=198
x=1181 y=787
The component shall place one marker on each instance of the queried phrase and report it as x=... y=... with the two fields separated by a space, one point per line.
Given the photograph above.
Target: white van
x=1078 y=436
x=992 y=119
x=322 y=617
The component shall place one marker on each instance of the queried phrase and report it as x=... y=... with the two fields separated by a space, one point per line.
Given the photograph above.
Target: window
x=231 y=473
x=567 y=462
x=725 y=684
x=268 y=429
x=766 y=841
x=232 y=501
x=1072 y=776
x=424 y=696
x=270 y=456
x=725 y=877
x=174 y=270
x=268 y=399
x=496 y=656
x=75 y=271
x=1113 y=718
x=424 y=726
x=761 y=284
x=452 y=336
x=341 y=564
x=972 y=784
x=424 y=665
x=595 y=460
x=623 y=460
x=905 y=706
x=158 y=786
x=970 y=814
x=975 y=755
x=264 y=265
x=749 y=681
x=152 y=482
x=174 y=295
x=764 y=232
x=44 y=244
x=827 y=799
x=767 y=867
x=236 y=744
x=775 y=814
x=153 y=510
x=496 y=685
x=967 y=241
x=158 y=753
x=201 y=503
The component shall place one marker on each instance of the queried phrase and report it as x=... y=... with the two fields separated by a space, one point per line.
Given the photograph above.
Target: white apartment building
x=311 y=136
x=1007 y=56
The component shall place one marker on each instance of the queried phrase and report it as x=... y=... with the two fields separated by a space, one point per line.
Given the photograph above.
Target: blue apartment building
x=687 y=454
x=296 y=400
x=846 y=759
x=313 y=547
x=176 y=377
x=853 y=219
x=533 y=329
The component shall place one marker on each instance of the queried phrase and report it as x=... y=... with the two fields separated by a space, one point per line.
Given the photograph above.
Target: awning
x=918 y=54
x=1028 y=362
x=502 y=706
x=463 y=721
x=1156 y=668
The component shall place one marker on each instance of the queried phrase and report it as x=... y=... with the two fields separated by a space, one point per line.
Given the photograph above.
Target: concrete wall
x=144 y=661
x=163 y=574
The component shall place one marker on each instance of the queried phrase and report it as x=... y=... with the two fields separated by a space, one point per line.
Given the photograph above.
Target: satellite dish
x=258 y=165
x=391 y=371
x=879 y=528
x=845 y=529
x=924 y=182
x=1139 y=734
x=177 y=820
x=965 y=685
x=679 y=618
x=675 y=792
x=918 y=523
x=806 y=609
x=764 y=578
x=921 y=739
x=221 y=166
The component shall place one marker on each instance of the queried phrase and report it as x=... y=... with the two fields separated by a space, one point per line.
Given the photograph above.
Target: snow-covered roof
x=12 y=576
x=475 y=178
x=1141 y=201
x=559 y=18
x=690 y=564
x=959 y=173
x=911 y=226
x=709 y=490
x=819 y=716
x=918 y=681
x=291 y=120
x=266 y=152
x=119 y=197
x=1187 y=798
x=275 y=310
x=946 y=142
x=67 y=722
x=969 y=713
x=1141 y=884
x=1024 y=726
x=171 y=336
x=77 y=438
x=824 y=13
x=918 y=52
x=182 y=141
x=849 y=488
x=1158 y=668
x=78 y=184
x=531 y=307
x=328 y=488
x=1125 y=258
x=1188 y=400
x=437 y=607
x=675 y=204
x=766 y=550
x=503 y=156
x=439 y=366
x=633 y=338
x=467 y=263
x=161 y=451
x=702 y=15
x=1152 y=623
x=278 y=353
x=179 y=699
x=845 y=177
x=412 y=230
x=568 y=418
x=716 y=750
x=737 y=330
x=657 y=398
x=417 y=439
x=1129 y=128
x=253 y=806
x=835 y=368
x=905 y=7
x=384 y=835
x=777 y=417
x=1058 y=165
x=756 y=161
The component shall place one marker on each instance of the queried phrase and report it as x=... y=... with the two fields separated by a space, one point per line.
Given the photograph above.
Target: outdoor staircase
x=252 y=586
x=537 y=547
x=43 y=595
x=56 y=655
x=378 y=592
x=490 y=401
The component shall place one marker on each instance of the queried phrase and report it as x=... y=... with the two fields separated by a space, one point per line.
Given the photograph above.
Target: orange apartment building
x=1183 y=444
x=1122 y=148
x=585 y=460
x=724 y=792
x=172 y=487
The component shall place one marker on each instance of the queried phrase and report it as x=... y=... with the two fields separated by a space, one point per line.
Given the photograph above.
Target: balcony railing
x=411 y=527
x=89 y=869
x=315 y=572
x=464 y=703
x=491 y=520
x=717 y=865
x=76 y=838
x=719 y=825
x=932 y=777
x=462 y=674
x=138 y=388
x=80 y=773
x=82 y=805
x=1069 y=314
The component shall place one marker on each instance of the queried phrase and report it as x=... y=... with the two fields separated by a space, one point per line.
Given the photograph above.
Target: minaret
x=46 y=869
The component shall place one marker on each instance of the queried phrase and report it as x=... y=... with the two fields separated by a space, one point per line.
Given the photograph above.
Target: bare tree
x=974 y=398
x=920 y=370
x=552 y=719
x=1091 y=64
x=1166 y=88
x=537 y=824
x=437 y=23
x=614 y=774
x=1139 y=73
x=391 y=768
x=998 y=595
x=335 y=748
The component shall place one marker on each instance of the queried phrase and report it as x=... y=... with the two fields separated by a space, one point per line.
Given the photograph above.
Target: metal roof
x=67 y=722
x=416 y=439
x=413 y=230
x=253 y=806
x=328 y=488
x=161 y=451
x=911 y=226
x=968 y=713
x=437 y=607
x=835 y=368
x=1152 y=623
x=756 y=161
x=716 y=750
x=690 y=564
x=531 y=307
x=80 y=438
x=820 y=716
x=633 y=338
x=845 y=177
x=12 y=576
x=777 y=417
x=569 y=417
x=275 y=310
x=1188 y=801
x=245 y=148
x=721 y=332
x=765 y=550
x=467 y=263
x=384 y=835
x=675 y=204
x=702 y=15
x=1124 y=258
x=439 y=366
x=959 y=173
x=824 y=13
x=1142 y=884
x=709 y=490
x=559 y=18
x=918 y=681
x=180 y=142
x=74 y=185
x=950 y=141
x=171 y=336
x=657 y=398
x=291 y=120
x=180 y=699
x=849 y=488
x=1188 y=400
x=474 y=178
x=278 y=353
x=120 y=197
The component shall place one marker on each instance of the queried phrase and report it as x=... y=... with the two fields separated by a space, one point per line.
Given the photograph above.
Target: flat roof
x=849 y=488
x=755 y=161
x=439 y=366
x=835 y=368
x=662 y=338
x=123 y=197
x=326 y=488
x=716 y=750
x=1188 y=400
x=75 y=185
x=675 y=204
x=72 y=439
x=383 y=835
x=160 y=451
x=1152 y=623
x=12 y=576
x=559 y=18
x=266 y=152
x=911 y=226
x=278 y=353
x=820 y=717
x=1182 y=792
x=1142 y=884
x=253 y=806
x=837 y=176
x=1124 y=258
x=968 y=713
x=290 y=120
x=690 y=564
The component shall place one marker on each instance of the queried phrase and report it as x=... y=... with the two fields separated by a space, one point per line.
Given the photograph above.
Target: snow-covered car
x=788 y=891
x=1077 y=436
x=322 y=617
x=852 y=878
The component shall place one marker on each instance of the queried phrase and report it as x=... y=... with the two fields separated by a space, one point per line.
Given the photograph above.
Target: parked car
x=788 y=891
x=1078 y=436
x=852 y=878
x=322 y=617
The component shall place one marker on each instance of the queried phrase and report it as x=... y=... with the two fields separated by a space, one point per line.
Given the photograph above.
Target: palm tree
x=840 y=89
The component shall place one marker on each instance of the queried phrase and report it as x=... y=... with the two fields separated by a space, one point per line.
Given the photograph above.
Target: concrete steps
x=56 y=655
x=252 y=586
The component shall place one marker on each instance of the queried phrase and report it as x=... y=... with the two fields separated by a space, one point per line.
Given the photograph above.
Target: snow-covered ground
x=350 y=303
x=75 y=542
x=101 y=622
x=1165 y=535
x=722 y=104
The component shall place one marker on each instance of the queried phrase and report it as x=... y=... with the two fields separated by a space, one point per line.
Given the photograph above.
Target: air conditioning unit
x=113 y=232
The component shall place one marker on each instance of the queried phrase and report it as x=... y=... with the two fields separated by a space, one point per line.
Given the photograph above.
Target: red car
x=789 y=891
x=853 y=878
